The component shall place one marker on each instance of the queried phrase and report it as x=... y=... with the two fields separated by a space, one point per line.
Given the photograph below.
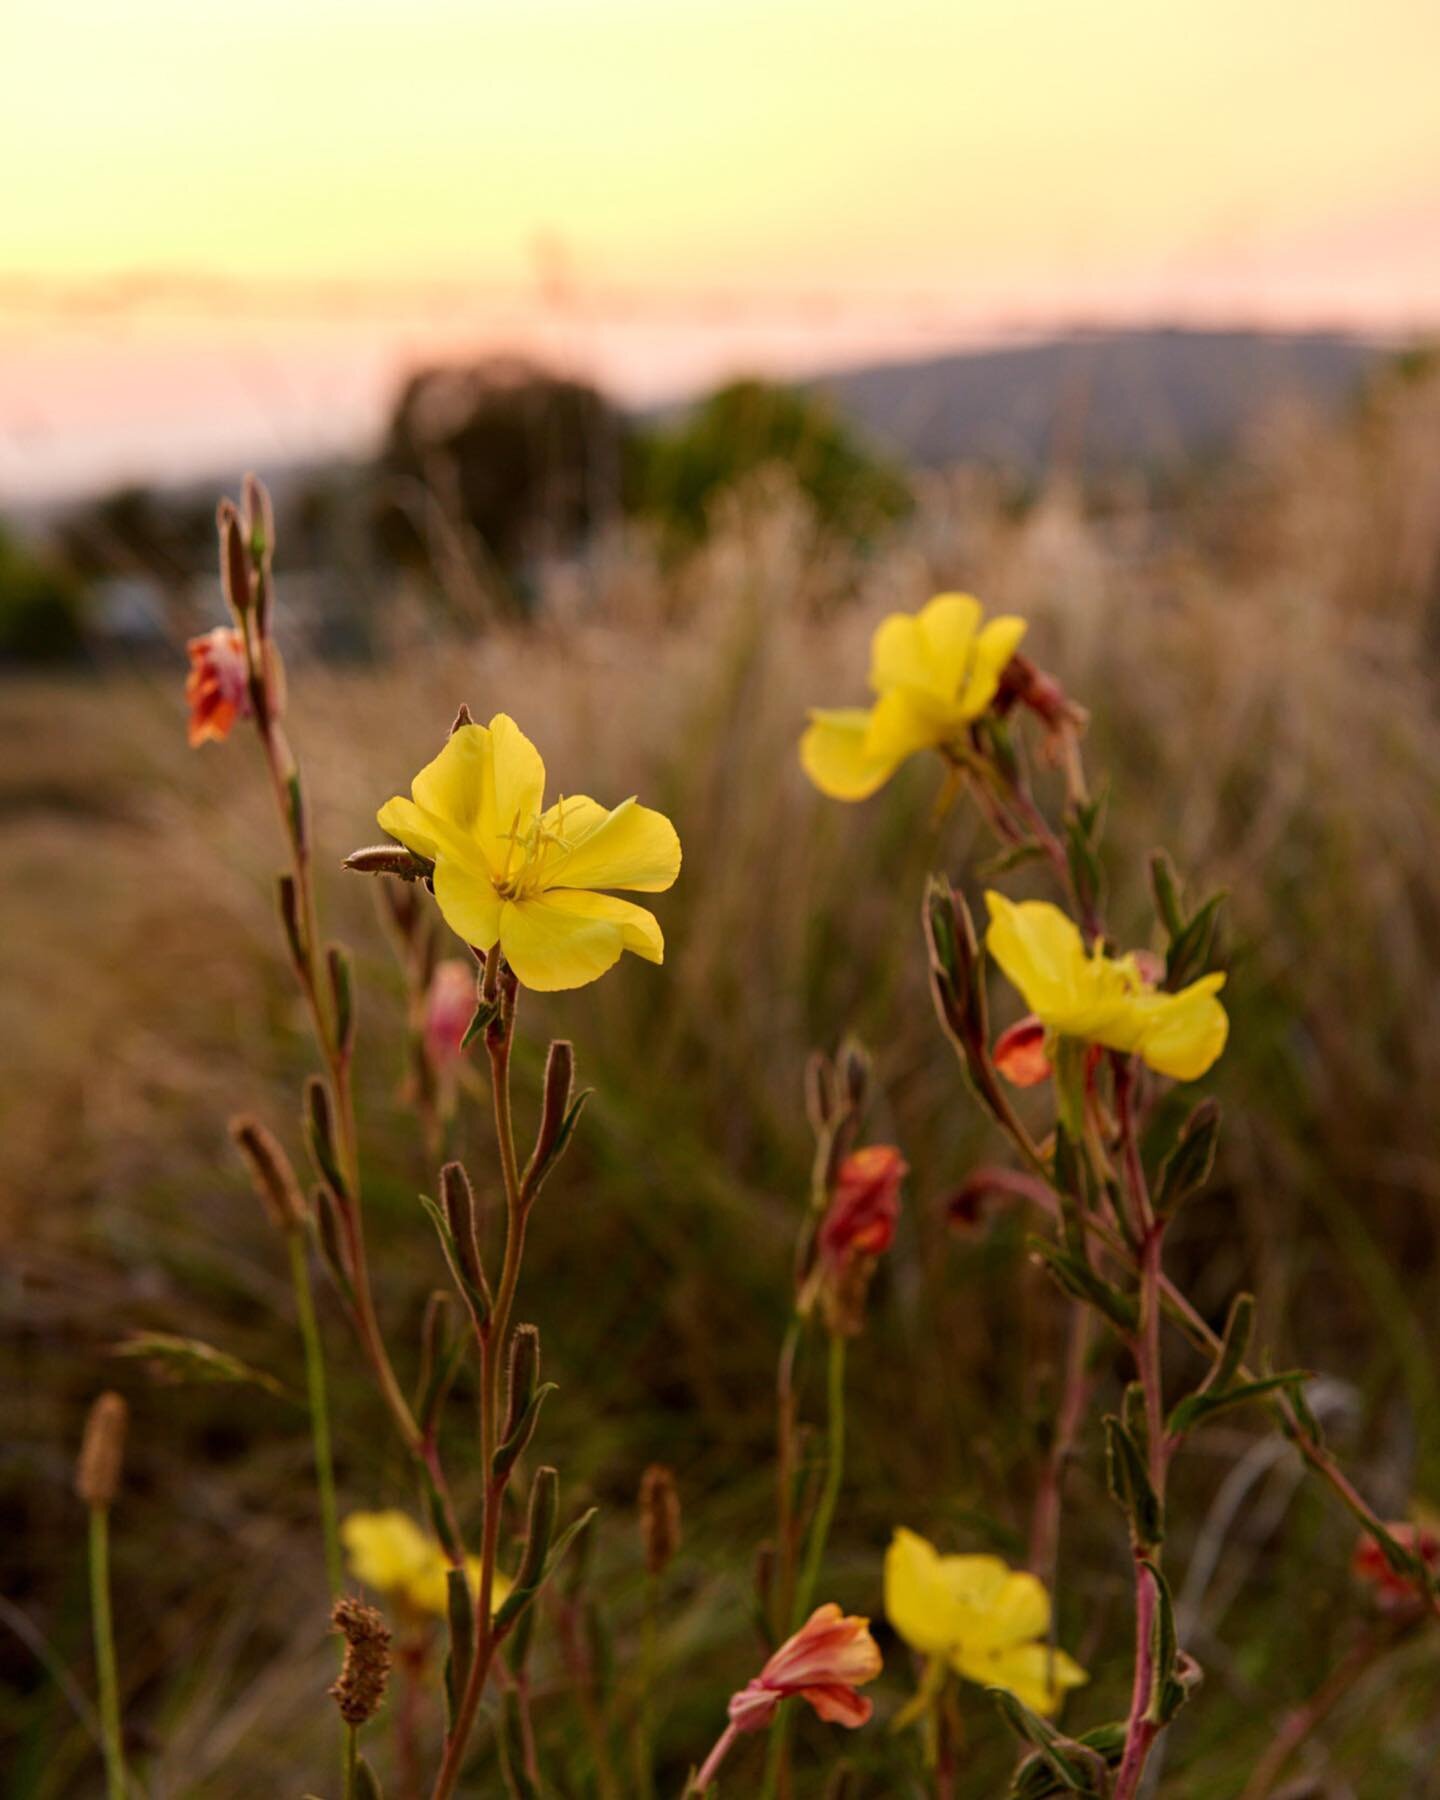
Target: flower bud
x=234 y=563
x=457 y=1200
x=449 y=1008
x=102 y=1451
x=388 y=859
x=864 y=1206
x=957 y=976
x=320 y=1136
x=659 y=1517
x=270 y=1172
x=523 y=1376
x=342 y=996
x=539 y=1528
x=366 y=1669
x=462 y=717
x=288 y=900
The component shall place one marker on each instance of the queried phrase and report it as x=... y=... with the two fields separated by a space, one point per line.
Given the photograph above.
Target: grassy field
x=1260 y=664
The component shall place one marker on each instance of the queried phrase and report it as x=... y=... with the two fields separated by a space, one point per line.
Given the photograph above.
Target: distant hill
x=1100 y=398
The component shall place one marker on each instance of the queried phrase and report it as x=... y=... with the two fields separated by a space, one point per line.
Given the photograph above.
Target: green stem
x=352 y=1762
x=116 y=1786
x=815 y=1549
x=644 y=1712
x=319 y=1406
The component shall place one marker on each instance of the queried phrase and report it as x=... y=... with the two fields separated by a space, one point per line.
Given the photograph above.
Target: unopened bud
x=819 y=1091
x=457 y=1199
x=260 y=533
x=524 y=1375
x=342 y=996
x=539 y=1528
x=270 y=1172
x=234 y=564
x=659 y=1517
x=555 y=1108
x=102 y=1451
x=289 y=902
x=389 y=859
x=331 y=1241
x=957 y=977
x=320 y=1136
x=366 y=1669
x=853 y=1069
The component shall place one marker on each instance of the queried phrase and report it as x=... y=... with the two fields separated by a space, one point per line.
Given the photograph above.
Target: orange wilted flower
x=217 y=687
x=1395 y=1591
x=864 y=1206
x=829 y=1657
x=1020 y=1053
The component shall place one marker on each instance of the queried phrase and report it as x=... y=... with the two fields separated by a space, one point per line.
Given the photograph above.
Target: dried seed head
x=102 y=1450
x=270 y=1172
x=659 y=1517
x=361 y=1686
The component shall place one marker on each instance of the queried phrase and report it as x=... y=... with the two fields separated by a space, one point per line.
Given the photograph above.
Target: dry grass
x=1262 y=673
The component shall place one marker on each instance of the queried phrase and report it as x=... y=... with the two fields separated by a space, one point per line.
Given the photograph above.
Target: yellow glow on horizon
x=688 y=142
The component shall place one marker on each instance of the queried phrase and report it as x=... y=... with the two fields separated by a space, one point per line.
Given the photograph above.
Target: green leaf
x=1078 y=1279
x=1207 y=1402
x=1129 y=1484
x=475 y=1298
x=367 y=1783
x=1036 y=1780
x=182 y=1359
x=1077 y=1769
x=1187 y=1168
x=1015 y=856
x=1165 y=885
x=520 y=1597
x=1190 y=950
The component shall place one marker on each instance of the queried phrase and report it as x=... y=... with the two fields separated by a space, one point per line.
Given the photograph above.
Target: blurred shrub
x=751 y=425
x=42 y=607
x=513 y=462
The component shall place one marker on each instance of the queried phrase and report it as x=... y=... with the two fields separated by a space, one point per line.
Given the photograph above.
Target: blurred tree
x=750 y=425
x=42 y=606
x=488 y=467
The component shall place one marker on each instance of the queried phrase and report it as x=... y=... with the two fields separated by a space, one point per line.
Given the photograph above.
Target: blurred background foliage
x=658 y=604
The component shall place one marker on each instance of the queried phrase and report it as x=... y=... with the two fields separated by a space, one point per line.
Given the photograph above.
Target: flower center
x=527 y=852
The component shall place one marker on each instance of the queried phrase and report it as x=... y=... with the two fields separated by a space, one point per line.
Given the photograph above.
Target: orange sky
x=220 y=221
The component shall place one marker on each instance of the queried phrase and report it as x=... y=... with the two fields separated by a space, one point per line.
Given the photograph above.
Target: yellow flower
x=507 y=872
x=933 y=672
x=390 y=1553
x=987 y=1621
x=1104 y=1000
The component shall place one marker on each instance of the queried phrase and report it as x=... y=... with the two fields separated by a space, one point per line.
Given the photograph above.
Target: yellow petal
x=450 y=786
x=919 y=1601
x=567 y=937
x=630 y=847
x=426 y=833
x=1183 y=1034
x=1040 y=951
x=833 y=754
x=928 y=651
x=904 y=721
x=1017 y=1613
x=974 y=1581
x=1036 y=1675
x=386 y=1549
x=468 y=902
x=513 y=788
x=996 y=643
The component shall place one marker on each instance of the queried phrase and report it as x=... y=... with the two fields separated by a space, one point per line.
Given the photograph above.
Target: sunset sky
x=226 y=229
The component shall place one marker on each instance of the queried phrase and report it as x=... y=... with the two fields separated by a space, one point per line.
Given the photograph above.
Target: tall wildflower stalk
x=97 y=1481
x=1103 y=1030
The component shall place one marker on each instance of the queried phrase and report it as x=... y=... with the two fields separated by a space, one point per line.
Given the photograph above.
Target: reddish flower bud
x=1020 y=1053
x=449 y=1008
x=864 y=1205
x=217 y=687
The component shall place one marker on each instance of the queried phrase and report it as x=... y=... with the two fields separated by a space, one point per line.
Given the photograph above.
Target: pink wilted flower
x=1020 y=1053
x=449 y=1008
x=864 y=1205
x=830 y=1656
x=1394 y=1591
x=827 y=1659
x=217 y=687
